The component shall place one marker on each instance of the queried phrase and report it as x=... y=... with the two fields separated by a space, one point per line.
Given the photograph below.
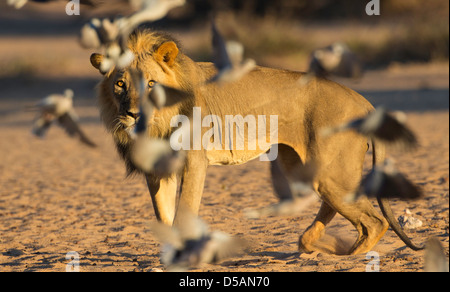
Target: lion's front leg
x=193 y=181
x=163 y=193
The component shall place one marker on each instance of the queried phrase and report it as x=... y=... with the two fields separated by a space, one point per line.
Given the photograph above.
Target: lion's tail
x=379 y=156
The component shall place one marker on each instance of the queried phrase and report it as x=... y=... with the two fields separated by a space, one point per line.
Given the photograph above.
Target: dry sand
x=58 y=196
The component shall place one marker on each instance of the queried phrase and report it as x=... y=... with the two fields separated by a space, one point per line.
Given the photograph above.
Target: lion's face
x=125 y=97
x=119 y=98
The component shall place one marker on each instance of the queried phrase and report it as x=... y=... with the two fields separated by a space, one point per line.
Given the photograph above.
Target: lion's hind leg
x=340 y=175
x=287 y=161
x=317 y=229
x=370 y=225
x=335 y=185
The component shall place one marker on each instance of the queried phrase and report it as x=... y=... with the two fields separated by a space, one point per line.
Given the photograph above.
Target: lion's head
x=159 y=58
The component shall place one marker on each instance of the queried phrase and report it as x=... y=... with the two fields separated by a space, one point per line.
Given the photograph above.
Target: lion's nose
x=134 y=115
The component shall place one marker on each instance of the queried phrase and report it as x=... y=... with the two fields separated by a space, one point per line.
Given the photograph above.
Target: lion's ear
x=96 y=61
x=167 y=53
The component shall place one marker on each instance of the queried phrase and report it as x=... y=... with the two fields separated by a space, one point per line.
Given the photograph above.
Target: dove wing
x=383 y=126
x=372 y=184
x=167 y=234
x=221 y=58
x=67 y=121
x=42 y=125
x=151 y=10
x=350 y=66
x=89 y=37
x=395 y=132
x=399 y=186
x=174 y=96
x=190 y=226
x=222 y=246
x=316 y=68
x=235 y=52
x=379 y=184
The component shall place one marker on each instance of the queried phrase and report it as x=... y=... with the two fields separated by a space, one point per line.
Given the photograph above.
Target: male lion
x=302 y=111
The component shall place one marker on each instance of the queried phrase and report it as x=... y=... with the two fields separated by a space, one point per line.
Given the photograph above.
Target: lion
x=302 y=111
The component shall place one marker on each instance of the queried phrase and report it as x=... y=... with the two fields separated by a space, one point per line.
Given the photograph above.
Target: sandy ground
x=58 y=196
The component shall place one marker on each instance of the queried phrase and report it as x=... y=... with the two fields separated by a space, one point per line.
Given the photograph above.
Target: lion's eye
x=120 y=84
x=151 y=83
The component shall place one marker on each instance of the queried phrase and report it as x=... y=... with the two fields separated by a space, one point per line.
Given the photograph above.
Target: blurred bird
x=148 y=11
x=295 y=195
x=60 y=108
x=114 y=35
x=90 y=37
x=190 y=243
x=119 y=29
x=335 y=60
x=152 y=155
x=229 y=59
x=385 y=181
x=382 y=126
x=17 y=3
x=104 y=33
x=435 y=258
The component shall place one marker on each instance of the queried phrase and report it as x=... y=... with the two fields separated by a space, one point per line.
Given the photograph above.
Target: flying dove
x=190 y=243
x=385 y=181
x=60 y=108
x=337 y=60
x=295 y=195
x=334 y=60
x=382 y=126
x=228 y=58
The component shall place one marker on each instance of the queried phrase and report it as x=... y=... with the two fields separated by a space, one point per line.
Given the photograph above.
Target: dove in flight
x=295 y=192
x=228 y=58
x=148 y=11
x=190 y=243
x=385 y=181
x=382 y=126
x=57 y=107
x=335 y=60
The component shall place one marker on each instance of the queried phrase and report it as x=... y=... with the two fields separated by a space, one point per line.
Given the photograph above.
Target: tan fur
x=302 y=112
